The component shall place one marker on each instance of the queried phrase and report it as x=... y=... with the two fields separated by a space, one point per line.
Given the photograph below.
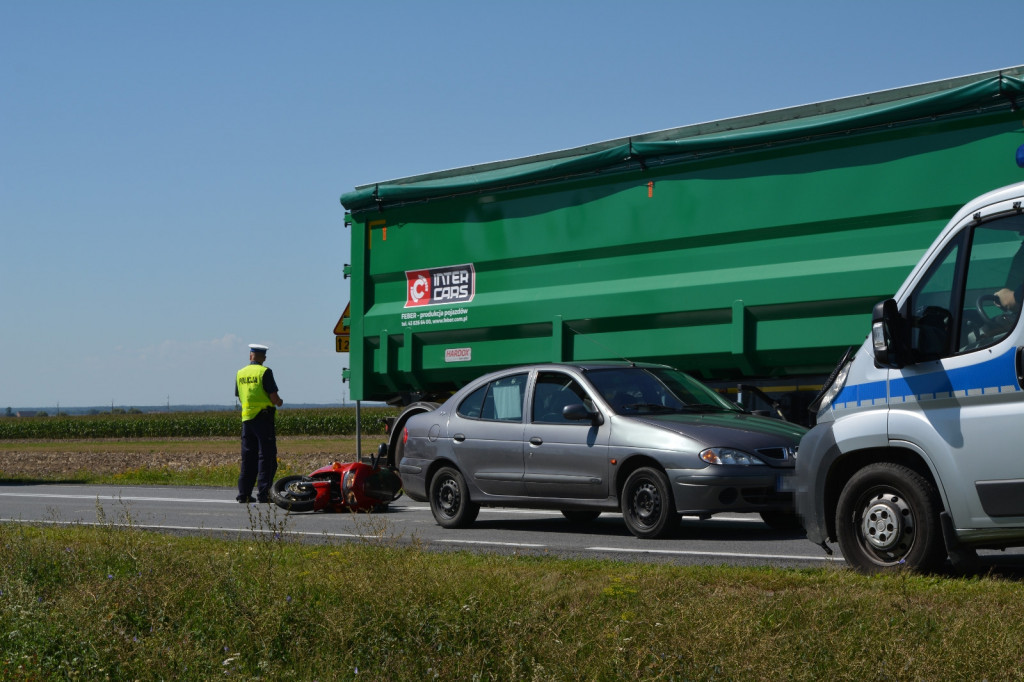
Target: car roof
x=590 y=365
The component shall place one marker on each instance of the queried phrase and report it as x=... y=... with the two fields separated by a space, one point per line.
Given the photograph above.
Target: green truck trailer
x=747 y=251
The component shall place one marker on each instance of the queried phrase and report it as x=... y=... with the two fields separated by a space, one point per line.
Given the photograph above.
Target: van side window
x=931 y=307
x=499 y=400
x=995 y=279
x=970 y=298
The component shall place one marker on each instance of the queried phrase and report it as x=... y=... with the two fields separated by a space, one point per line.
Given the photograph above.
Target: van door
x=961 y=401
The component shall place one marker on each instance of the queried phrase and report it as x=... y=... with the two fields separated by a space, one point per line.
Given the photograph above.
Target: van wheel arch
x=844 y=468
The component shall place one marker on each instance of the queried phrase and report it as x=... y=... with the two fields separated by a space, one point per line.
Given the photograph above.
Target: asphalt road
x=735 y=539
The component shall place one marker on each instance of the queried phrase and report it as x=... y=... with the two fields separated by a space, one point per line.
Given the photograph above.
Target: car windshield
x=656 y=390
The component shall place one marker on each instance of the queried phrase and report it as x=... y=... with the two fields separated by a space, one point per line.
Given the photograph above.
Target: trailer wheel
x=449 y=500
x=887 y=517
x=647 y=505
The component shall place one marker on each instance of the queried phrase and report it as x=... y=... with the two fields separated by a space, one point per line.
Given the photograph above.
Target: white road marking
x=130 y=498
x=485 y=542
x=733 y=555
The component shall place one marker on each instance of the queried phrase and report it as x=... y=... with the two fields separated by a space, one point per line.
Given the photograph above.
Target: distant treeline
x=340 y=421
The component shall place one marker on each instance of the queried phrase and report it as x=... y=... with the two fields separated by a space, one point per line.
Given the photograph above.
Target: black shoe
x=244 y=500
x=263 y=499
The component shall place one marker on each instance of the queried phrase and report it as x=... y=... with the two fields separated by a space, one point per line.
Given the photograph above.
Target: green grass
x=113 y=602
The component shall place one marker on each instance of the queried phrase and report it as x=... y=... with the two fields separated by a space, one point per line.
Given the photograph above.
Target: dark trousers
x=259 y=456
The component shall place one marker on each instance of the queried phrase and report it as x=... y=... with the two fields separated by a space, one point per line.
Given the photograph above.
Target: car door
x=487 y=435
x=962 y=402
x=565 y=459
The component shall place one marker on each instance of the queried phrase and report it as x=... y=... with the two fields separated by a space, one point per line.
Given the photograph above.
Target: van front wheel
x=888 y=517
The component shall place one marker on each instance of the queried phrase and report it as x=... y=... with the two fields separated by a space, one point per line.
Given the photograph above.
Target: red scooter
x=353 y=486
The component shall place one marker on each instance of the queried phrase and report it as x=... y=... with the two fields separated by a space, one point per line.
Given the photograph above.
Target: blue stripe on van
x=998 y=375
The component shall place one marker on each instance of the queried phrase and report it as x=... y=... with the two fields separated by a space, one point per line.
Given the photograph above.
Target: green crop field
x=302 y=422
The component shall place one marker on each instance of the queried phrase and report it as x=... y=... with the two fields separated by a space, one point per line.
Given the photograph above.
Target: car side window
x=498 y=400
x=473 y=404
x=553 y=392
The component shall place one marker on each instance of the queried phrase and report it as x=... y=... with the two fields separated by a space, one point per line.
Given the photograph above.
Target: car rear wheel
x=887 y=517
x=449 y=499
x=647 y=505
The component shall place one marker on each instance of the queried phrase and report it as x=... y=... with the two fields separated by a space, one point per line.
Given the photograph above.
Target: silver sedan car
x=647 y=440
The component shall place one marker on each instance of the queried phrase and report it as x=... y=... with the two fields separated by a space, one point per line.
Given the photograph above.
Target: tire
x=647 y=505
x=449 y=500
x=782 y=520
x=294 y=493
x=580 y=515
x=888 y=517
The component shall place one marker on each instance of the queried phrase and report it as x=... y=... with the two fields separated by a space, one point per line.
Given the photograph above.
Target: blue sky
x=170 y=171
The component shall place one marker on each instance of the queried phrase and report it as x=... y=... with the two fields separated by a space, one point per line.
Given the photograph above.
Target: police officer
x=256 y=389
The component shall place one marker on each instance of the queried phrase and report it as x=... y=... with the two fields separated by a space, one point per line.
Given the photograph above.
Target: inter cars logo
x=452 y=284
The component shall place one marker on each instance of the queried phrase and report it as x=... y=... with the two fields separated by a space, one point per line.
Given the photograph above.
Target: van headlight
x=832 y=391
x=732 y=456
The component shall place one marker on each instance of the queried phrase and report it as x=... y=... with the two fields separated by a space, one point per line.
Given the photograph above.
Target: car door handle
x=459 y=437
x=536 y=440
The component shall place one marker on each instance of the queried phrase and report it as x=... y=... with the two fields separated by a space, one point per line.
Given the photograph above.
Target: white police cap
x=258 y=348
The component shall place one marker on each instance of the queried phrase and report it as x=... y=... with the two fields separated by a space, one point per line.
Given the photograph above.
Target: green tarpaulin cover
x=859 y=114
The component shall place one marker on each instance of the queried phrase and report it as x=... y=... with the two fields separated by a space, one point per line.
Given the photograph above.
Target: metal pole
x=359 y=433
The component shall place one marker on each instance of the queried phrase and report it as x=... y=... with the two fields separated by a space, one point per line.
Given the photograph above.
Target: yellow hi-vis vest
x=250 y=391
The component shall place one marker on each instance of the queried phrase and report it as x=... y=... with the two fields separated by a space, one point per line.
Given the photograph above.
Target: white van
x=918 y=451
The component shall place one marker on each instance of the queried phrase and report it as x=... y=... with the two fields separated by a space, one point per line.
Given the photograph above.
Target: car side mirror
x=578 y=413
x=890 y=338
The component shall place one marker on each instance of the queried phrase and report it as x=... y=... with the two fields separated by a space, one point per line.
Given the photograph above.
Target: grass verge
x=115 y=602
x=170 y=461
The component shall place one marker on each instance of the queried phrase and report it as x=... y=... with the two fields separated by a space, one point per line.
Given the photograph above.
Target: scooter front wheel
x=294 y=493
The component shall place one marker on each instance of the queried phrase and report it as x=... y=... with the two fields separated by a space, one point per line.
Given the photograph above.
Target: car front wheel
x=887 y=517
x=449 y=500
x=647 y=505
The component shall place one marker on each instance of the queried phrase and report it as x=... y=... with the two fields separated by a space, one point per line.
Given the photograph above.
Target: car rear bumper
x=414 y=482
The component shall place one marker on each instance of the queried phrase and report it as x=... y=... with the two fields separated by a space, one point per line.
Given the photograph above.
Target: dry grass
x=94 y=459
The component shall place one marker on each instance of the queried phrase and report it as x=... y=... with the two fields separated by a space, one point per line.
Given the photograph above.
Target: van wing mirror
x=890 y=338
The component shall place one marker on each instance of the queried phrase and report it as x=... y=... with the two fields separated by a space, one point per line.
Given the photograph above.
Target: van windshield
x=655 y=390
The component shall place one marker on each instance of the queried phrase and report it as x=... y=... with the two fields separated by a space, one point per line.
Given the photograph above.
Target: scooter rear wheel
x=294 y=493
